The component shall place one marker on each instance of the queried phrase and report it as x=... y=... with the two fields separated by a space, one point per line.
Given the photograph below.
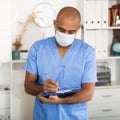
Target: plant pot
x=16 y=55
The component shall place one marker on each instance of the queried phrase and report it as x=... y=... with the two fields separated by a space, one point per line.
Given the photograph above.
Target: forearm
x=82 y=96
x=33 y=89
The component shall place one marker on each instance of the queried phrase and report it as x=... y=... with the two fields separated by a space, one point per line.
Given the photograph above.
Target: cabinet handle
x=107 y=96
x=106 y=110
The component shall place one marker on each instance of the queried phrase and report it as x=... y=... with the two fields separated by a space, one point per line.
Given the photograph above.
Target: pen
x=47 y=77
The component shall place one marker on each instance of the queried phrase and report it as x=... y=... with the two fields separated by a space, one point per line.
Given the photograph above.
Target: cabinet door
x=104 y=109
x=4 y=100
x=105 y=103
x=106 y=96
x=21 y=103
x=4 y=114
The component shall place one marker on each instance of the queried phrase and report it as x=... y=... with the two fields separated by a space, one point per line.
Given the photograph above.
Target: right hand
x=50 y=85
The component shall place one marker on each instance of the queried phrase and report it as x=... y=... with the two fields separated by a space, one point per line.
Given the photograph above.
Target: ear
x=54 y=22
x=78 y=27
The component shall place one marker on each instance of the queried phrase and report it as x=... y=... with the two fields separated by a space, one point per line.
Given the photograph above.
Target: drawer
x=106 y=95
x=4 y=100
x=104 y=110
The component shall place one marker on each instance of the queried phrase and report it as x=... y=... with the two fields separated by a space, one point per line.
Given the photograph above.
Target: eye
x=72 y=31
x=61 y=30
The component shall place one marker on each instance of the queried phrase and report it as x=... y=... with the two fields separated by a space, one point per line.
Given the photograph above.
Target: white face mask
x=63 y=39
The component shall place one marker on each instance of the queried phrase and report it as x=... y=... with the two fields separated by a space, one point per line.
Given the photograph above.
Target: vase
x=15 y=55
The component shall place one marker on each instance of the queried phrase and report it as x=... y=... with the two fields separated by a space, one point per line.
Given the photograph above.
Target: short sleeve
x=89 y=73
x=31 y=64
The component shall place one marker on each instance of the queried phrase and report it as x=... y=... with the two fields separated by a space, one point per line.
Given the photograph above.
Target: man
x=61 y=62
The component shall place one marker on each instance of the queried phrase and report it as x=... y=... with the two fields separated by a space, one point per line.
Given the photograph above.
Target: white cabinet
x=4 y=104
x=105 y=103
x=15 y=104
x=21 y=103
x=5 y=77
x=97 y=32
x=5 y=58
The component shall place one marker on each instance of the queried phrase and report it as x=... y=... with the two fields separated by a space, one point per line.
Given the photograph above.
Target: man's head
x=67 y=23
x=68 y=20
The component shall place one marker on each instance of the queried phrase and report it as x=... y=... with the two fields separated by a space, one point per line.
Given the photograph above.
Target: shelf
x=114 y=84
x=104 y=28
x=109 y=58
x=18 y=61
x=5 y=62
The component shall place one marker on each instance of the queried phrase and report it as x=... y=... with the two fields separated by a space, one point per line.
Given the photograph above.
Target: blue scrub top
x=76 y=67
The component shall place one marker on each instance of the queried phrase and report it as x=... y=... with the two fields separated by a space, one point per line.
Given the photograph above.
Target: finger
x=50 y=89
x=49 y=85
x=52 y=82
x=53 y=97
x=44 y=99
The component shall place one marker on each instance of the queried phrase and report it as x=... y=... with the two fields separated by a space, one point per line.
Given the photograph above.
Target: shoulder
x=84 y=45
x=42 y=43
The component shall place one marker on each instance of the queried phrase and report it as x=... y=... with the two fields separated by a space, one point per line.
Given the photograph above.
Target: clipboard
x=61 y=93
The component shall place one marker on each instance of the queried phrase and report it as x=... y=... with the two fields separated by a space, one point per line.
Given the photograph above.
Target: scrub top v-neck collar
x=56 y=53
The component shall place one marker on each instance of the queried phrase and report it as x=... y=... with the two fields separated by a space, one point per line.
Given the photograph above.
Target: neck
x=62 y=50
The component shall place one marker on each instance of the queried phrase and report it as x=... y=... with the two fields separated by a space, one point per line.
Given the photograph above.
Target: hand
x=52 y=99
x=50 y=85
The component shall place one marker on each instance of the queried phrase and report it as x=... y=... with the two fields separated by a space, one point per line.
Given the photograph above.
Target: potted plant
x=18 y=41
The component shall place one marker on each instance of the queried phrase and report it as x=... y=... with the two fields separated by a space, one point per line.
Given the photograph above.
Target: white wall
x=22 y=8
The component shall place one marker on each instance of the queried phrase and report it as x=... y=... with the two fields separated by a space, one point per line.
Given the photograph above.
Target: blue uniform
x=76 y=67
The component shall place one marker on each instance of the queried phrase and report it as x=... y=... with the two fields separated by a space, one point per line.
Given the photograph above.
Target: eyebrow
x=67 y=30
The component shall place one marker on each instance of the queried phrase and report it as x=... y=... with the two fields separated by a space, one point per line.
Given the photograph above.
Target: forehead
x=68 y=23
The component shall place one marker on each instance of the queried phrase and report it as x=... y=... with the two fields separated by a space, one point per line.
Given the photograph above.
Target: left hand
x=52 y=99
